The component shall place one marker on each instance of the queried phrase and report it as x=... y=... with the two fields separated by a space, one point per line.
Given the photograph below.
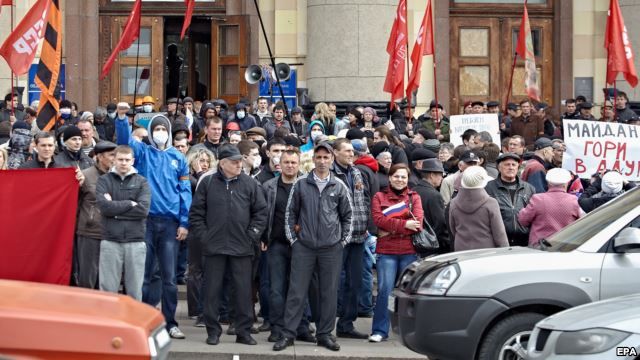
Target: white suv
x=483 y=304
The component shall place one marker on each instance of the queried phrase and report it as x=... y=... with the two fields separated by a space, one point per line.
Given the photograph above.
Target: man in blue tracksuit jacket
x=166 y=170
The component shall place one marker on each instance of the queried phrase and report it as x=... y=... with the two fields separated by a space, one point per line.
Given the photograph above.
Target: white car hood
x=621 y=313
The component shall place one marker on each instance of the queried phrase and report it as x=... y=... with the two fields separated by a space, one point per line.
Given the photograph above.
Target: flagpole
x=513 y=67
x=435 y=77
x=409 y=96
x=135 y=84
x=12 y=88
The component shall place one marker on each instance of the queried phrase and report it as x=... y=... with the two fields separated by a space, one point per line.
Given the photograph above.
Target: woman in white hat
x=474 y=216
x=549 y=212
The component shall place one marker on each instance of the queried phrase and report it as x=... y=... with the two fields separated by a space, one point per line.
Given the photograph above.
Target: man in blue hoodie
x=166 y=170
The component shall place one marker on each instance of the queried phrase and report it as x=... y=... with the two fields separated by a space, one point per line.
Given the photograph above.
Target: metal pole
x=12 y=88
x=273 y=65
x=135 y=84
x=513 y=67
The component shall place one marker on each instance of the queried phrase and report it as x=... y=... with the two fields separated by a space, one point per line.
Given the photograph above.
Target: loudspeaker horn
x=253 y=74
x=283 y=71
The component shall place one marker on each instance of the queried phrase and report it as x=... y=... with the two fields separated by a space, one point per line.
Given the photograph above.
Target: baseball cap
x=469 y=156
x=229 y=152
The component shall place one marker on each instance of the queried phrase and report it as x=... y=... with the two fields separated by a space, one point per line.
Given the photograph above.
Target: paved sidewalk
x=194 y=346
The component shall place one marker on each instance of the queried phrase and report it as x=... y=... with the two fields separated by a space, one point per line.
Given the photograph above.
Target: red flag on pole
x=423 y=46
x=525 y=50
x=5 y=2
x=397 y=50
x=619 y=52
x=187 y=17
x=129 y=35
x=20 y=47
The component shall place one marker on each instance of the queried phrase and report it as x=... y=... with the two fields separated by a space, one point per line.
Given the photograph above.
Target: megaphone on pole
x=253 y=74
x=282 y=71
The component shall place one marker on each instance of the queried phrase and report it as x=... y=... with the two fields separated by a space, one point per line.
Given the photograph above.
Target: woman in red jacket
x=396 y=224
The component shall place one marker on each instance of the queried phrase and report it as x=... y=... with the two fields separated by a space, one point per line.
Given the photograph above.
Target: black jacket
x=319 y=220
x=106 y=129
x=65 y=158
x=517 y=234
x=433 y=207
x=123 y=222
x=36 y=164
x=228 y=216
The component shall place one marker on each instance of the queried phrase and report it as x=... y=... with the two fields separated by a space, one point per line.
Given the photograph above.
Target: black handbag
x=424 y=240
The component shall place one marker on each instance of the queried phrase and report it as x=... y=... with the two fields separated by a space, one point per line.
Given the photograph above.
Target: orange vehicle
x=45 y=321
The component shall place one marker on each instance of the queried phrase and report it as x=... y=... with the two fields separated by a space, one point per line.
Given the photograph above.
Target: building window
x=145 y=44
x=128 y=81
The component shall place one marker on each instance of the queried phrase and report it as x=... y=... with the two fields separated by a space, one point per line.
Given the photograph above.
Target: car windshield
x=576 y=234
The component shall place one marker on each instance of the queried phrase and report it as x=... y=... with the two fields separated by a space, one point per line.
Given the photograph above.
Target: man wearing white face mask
x=244 y=120
x=168 y=174
x=147 y=104
x=251 y=159
x=275 y=148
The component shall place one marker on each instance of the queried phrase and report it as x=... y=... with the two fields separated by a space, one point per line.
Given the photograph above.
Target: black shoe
x=254 y=330
x=199 y=322
x=246 y=339
x=213 y=339
x=231 y=330
x=265 y=327
x=181 y=281
x=353 y=334
x=274 y=337
x=328 y=343
x=282 y=344
x=306 y=337
x=223 y=320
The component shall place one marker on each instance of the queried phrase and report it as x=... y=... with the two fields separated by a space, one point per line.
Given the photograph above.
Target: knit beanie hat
x=20 y=125
x=612 y=182
x=558 y=176
x=474 y=177
x=70 y=132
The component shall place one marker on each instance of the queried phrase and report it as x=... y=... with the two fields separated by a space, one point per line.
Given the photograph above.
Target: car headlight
x=439 y=281
x=159 y=344
x=590 y=341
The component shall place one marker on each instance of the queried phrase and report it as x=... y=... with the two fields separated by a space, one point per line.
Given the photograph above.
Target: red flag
x=38 y=250
x=423 y=46
x=397 y=50
x=5 y=2
x=187 y=17
x=129 y=35
x=524 y=49
x=619 y=52
x=20 y=47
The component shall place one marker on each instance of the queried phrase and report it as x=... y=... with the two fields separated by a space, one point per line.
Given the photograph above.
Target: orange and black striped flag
x=49 y=69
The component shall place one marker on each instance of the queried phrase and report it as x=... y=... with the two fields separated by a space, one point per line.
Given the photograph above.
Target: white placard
x=478 y=122
x=593 y=146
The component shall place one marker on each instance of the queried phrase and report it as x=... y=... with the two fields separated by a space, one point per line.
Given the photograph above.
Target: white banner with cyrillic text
x=478 y=122
x=594 y=146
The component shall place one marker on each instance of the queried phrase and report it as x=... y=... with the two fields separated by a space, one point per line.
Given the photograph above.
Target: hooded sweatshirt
x=165 y=170
x=475 y=221
x=310 y=143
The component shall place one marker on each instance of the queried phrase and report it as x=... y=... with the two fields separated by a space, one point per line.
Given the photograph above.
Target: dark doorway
x=187 y=63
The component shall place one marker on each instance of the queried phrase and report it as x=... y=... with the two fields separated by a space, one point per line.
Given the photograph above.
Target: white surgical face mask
x=315 y=134
x=65 y=111
x=240 y=114
x=147 y=108
x=275 y=160
x=112 y=115
x=160 y=137
x=257 y=160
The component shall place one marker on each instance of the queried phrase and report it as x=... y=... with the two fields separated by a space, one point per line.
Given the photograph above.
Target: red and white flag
x=525 y=51
x=5 y=2
x=129 y=35
x=619 y=52
x=187 y=17
x=397 y=50
x=423 y=46
x=20 y=47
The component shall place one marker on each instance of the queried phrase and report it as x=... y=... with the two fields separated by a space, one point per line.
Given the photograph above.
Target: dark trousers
x=181 y=266
x=194 y=281
x=279 y=261
x=264 y=286
x=304 y=261
x=237 y=267
x=352 y=263
x=88 y=253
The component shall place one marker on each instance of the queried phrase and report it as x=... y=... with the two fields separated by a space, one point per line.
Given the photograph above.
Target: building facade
x=338 y=46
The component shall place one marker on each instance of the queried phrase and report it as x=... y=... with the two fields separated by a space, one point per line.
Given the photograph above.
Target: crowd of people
x=244 y=204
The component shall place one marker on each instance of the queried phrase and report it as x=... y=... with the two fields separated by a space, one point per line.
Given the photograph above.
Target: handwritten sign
x=478 y=122
x=593 y=146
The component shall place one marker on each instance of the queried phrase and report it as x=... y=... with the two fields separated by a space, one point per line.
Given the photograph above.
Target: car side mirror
x=627 y=239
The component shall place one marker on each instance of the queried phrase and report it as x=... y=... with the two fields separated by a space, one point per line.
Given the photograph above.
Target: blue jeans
x=365 y=305
x=181 y=266
x=162 y=247
x=389 y=268
x=350 y=294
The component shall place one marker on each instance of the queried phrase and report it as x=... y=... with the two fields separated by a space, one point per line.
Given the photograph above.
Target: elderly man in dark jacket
x=124 y=198
x=431 y=174
x=228 y=215
x=512 y=195
x=318 y=224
